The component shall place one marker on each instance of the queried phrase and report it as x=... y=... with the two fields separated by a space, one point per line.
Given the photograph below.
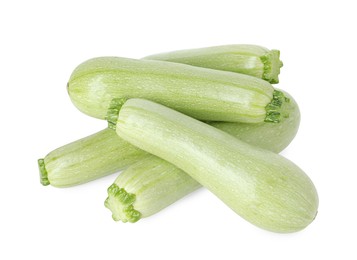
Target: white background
x=43 y=41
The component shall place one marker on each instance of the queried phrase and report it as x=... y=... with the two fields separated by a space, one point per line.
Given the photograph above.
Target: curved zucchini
x=153 y=184
x=103 y=153
x=247 y=59
x=202 y=93
x=264 y=188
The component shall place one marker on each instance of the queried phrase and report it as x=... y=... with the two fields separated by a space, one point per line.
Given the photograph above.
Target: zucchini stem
x=120 y=203
x=43 y=172
x=113 y=111
x=272 y=65
x=273 y=109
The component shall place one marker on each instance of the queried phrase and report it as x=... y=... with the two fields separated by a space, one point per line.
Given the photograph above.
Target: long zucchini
x=247 y=59
x=264 y=188
x=273 y=137
x=153 y=184
x=202 y=93
x=87 y=159
x=103 y=153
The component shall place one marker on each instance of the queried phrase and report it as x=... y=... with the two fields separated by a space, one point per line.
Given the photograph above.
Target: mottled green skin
x=202 y=93
x=88 y=159
x=155 y=184
x=247 y=59
x=273 y=137
x=264 y=188
x=104 y=153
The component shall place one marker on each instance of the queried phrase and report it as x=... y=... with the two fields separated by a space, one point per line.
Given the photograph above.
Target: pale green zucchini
x=247 y=59
x=264 y=188
x=147 y=187
x=87 y=159
x=152 y=184
x=104 y=153
x=273 y=137
x=202 y=93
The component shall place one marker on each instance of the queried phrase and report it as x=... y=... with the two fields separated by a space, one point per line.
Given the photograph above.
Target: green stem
x=113 y=111
x=43 y=172
x=120 y=202
x=274 y=108
x=272 y=65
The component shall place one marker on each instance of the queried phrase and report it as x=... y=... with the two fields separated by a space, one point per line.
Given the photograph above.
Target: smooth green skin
x=89 y=158
x=202 y=93
x=253 y=60
x=103 y=153
x=272 y=137
x=153 y=183
x=264 y=188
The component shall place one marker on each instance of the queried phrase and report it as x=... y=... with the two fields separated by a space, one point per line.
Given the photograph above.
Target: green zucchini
x=264 y=188
x=152 y=184
x=87 y=159
x=247 y=59
x=147 y=187
x=103 y=153
x=202 y=93
x=273 y=137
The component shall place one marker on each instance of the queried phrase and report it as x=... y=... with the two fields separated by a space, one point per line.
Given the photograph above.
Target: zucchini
x=103 y=153
x=273 y=137
x=87 y=159
x=264 y=188
x=202 y=93
x=153 y=184
x=247 y=59
x=147 y=187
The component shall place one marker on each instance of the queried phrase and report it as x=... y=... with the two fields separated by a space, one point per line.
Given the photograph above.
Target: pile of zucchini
x=185 y=119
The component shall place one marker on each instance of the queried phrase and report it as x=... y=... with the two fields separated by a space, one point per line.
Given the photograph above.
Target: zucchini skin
x=103 y=153
x=253 y=60
x=154 y=184
x=264 y=188
x=202 y=93
x=87 y=159
x=272 y=137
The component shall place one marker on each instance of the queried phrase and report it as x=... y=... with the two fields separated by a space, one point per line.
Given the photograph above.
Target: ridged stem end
x=113 y=111
x=43 y=172
x=272 y=65
x=274 y=112
x=120 y=203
